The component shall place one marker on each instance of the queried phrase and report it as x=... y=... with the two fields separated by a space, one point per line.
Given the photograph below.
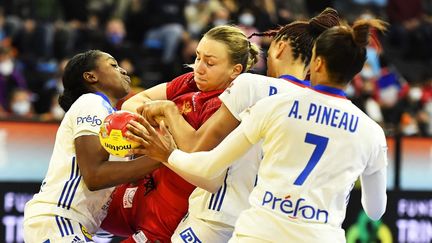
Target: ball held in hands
x=112 y=133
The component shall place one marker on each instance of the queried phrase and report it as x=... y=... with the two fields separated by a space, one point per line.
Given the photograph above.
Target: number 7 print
x=321 y=144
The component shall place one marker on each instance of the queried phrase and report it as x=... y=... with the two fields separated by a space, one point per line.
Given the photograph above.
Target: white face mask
x=218 y=22
x=247 y=19
x=21 y=107
x=415 y=93
x=367 y=73
x=6 y=67
x=350 y=91
x=57 y=112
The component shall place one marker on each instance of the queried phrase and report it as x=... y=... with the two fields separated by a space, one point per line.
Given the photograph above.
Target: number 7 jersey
x=316 y=144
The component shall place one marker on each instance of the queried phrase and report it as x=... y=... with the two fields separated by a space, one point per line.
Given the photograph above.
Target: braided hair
x=302 y=34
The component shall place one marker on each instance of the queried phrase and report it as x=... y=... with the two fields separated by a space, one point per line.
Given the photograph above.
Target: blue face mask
x=115 y=38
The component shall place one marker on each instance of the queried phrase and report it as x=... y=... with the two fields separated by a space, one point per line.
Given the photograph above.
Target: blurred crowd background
x=154 y=39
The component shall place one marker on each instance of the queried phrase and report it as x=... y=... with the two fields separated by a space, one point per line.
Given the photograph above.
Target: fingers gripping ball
x=112 y=133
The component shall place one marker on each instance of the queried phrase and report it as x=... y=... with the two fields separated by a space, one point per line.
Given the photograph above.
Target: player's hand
x=157 y=145
x=154 y=111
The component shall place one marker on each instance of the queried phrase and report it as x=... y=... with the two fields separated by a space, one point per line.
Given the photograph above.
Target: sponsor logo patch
x=129 y=196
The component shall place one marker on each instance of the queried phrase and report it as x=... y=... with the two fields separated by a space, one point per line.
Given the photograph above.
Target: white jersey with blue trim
x=225 y=205
x=63 y=191
x=316 y=144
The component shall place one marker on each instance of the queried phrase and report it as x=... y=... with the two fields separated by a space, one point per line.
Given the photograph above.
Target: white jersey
x=232 y=198
x=316 y=144
x=63 y=191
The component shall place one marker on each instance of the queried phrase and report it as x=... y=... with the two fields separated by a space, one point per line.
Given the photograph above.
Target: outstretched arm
x=374 y=197
x=160 y=146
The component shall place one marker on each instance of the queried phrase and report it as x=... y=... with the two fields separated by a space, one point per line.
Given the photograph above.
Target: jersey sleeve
x=239 y=95
x=88 y=114
x=378 y=159
x=255 y=119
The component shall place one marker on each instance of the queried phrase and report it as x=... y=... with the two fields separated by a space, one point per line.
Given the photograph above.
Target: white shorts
x=53 y=228
x=192 y=229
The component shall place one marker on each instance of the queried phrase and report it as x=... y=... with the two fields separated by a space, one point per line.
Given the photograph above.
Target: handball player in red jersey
x=151 y=209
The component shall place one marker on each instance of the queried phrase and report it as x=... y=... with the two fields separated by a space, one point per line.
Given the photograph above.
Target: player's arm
x=98 y=173
x=204 y=165
x=374 y=197
x=157 y=92
x=374 y=179
x=210 y=134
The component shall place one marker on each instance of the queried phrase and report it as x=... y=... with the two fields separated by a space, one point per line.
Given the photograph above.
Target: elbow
x=93 y=184
x=376 y=212
x=375 y=215
x=211 y=188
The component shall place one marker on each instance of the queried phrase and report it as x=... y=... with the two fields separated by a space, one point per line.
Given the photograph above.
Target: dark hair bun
x=325 y=20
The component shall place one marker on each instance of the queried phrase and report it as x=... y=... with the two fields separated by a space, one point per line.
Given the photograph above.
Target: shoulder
x=182 y=83
x=90 y=102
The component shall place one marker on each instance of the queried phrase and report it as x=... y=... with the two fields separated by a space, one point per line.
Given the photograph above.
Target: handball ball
x=112 y=131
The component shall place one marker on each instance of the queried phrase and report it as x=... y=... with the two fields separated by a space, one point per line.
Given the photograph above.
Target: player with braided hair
x=316 y=144
x=214 y=206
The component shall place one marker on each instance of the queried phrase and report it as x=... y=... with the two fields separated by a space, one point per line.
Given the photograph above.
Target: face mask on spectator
x=247 y=19
x=57 y=112
x=218 y=22
x=115 y=38
x=21 y=107
x=6 y=67
x=415 y=93
x=367 y=73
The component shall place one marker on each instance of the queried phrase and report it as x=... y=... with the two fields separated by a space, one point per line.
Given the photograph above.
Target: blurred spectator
x=198 y=14
x=165 y=25
x=11 y=76
x=246 y=22
x=55 y=112
x=410 y=28
x=290 y=10
x=115 y=40
x=412 y=117
x=21 y=104
x=264 y=12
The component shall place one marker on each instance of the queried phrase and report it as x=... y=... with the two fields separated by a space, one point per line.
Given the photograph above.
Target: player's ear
x=90 y=77
x=280 y=48
x=236 y=71
x=319 y=64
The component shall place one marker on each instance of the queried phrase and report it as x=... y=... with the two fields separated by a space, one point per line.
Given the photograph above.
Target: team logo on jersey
x=129 y=196
x=186 y=107
x=76 y=239
x=294 y=208
x=87 y=235
x=92 y=120
x=189 y=236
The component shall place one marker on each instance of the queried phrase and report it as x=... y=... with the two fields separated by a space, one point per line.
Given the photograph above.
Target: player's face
x=213 y=69
x=112 y=79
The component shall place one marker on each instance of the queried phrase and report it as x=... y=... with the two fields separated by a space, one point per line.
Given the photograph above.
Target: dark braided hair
x=302 y=34
x=73 y=80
